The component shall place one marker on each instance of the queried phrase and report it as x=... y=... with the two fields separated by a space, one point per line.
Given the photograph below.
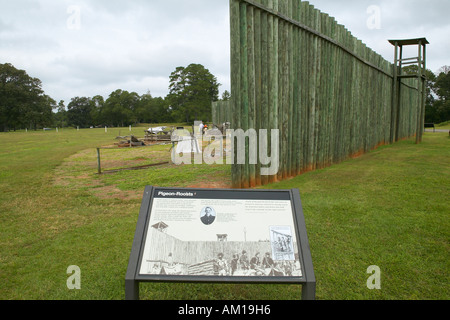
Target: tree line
x=23 y=103
x=192 y=89
x=438 y=104
x=437 y=107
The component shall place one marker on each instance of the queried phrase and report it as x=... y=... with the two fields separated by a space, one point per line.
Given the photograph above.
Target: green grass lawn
x=388 y=208
x=444 y=125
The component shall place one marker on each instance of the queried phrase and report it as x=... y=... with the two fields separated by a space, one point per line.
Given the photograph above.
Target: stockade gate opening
x=295 y=69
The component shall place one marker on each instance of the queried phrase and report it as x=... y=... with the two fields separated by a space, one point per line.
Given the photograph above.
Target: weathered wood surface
x=295 y=69
x=221 y=112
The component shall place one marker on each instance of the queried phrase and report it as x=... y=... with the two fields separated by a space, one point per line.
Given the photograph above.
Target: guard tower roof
x=408 y=42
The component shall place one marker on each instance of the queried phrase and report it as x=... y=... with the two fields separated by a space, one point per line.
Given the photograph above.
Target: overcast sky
x=88 y=48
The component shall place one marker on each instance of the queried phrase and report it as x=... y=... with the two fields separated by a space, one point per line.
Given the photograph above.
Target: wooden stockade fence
x=197 y=253
x=295 y=69
x=221 y=112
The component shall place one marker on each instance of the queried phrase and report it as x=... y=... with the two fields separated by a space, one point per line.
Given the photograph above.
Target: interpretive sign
x=217 y=235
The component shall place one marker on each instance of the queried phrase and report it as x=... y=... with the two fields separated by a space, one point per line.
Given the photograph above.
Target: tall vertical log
x=235 y=81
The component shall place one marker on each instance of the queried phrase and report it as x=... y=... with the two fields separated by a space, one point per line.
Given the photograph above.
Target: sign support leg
x=309 y=291
x=131 y=290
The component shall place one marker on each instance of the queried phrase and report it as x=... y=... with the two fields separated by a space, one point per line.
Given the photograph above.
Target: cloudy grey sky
x=88 y=48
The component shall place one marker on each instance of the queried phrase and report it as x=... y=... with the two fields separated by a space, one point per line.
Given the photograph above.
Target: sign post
x=220 y=235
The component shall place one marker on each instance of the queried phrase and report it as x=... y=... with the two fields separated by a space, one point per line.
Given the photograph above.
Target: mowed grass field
x=389 y=208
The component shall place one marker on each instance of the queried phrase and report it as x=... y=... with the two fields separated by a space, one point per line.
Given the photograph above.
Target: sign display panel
x=211 y=233
x=220 y=235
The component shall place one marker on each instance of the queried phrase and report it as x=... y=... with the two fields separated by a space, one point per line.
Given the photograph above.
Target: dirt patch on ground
x=79 y=171
x=112 y=192
x=210 y=185
x=211 y=182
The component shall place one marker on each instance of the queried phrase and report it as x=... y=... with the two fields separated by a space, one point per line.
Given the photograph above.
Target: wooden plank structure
x=420 y=62
x=221 y=112
x=188 y=252
x=295 y=69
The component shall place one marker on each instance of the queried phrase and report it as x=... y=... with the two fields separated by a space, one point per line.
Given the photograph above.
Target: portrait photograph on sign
x=208 y=215
x=203 y=234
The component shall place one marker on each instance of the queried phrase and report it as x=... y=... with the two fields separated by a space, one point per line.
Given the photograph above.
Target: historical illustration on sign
x=282 y=243
x=220 y=237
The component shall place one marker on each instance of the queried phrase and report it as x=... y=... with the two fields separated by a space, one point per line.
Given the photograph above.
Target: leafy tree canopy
x=438 y=93
x=79 y=113
x=191 y=92
x=22 y=100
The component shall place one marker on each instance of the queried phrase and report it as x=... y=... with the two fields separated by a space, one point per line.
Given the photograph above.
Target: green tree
x=22 y=100
x=442 y=85
x=153 y=110
x=441 y=107
x=60 y=117
x=98 y=104
x=191 y=91
x=226 y=95
x=79 y=112
x=120 y=108
x=145 y=110
x=162 y=109
x=437 y=108
x=430 y=81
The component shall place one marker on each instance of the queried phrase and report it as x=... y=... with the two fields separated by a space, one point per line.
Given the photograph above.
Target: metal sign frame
x=306 y=279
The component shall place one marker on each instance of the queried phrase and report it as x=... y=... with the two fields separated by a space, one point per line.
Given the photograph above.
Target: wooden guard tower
x=399 y=63
x=222 y=237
